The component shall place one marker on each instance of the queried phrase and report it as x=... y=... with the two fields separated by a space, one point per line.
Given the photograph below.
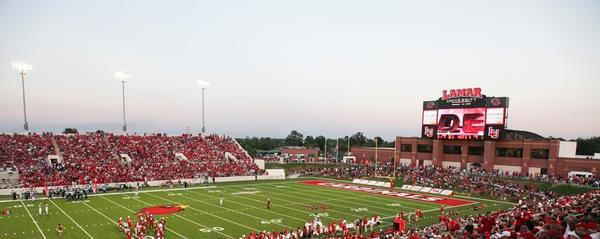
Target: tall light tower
x=23 y=68
x=204 y=84
x=123 y=77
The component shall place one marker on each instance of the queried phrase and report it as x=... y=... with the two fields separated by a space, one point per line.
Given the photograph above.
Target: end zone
x=385 y=192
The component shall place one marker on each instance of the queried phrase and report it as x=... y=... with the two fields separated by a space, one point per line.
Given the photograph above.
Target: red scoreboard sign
x=464 y=114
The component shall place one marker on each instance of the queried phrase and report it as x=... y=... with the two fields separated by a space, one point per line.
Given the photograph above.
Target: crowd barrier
x=427 y=190
x=271 y=174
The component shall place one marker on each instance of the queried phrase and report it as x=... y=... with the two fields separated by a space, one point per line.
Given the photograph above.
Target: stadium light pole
x=204 y=84
x=23 y=68
x=376 y=159
x=325 y=150
x=348 y=153
x=337 y=150
x=123 y=77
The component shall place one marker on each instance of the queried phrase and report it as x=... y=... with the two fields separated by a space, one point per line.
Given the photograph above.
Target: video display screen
x=429 y=117
x=465 y=123
x=495 y=116
x=464 y=114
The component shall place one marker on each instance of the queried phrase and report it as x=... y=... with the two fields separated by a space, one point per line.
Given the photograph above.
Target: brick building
x=522 y=152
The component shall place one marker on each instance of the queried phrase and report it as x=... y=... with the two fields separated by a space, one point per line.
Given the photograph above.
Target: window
x=406 y=147
x=473 y=150
x=509 y=152
x=540 y=153
x=452 y=149
x=424 y=148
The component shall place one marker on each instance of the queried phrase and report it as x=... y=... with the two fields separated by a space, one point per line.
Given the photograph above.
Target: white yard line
x=281 y=214
x=294 y=203
x=245 y=214
x=431 y=210
x=357 y=197
x=333 y=198
x=198 y=210
x=34 y=222
x=184 y=218
x=135 y=236
x=56 y=205
x=171 y=230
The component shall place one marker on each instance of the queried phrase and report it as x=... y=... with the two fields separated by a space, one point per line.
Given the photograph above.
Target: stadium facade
x=466 y=129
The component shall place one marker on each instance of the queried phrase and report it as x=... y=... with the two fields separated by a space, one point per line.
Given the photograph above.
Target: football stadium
x=85 y=157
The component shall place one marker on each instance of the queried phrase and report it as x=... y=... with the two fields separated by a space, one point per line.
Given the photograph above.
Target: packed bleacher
x=95 y=158
x=353 y=229
x=564 y=217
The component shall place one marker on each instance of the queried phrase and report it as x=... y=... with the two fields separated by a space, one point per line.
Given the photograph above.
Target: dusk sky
x=321 y=67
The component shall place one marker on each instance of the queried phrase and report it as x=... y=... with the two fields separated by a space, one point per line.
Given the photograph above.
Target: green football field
x=244 y=210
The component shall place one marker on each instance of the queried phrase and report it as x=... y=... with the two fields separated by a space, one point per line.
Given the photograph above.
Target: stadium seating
x=94 y=158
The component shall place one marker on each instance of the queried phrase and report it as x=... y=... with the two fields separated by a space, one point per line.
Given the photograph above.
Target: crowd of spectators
x=95 y=158
x=560 y=217
x=342 y=229
x=539 y=213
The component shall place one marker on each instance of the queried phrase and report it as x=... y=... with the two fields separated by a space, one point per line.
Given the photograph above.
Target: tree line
x=295 y=138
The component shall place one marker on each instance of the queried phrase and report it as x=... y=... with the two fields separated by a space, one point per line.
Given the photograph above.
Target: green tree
x=70 y=131
x=310 y=142
x=294 y=139
x=379 y=140
x=588 y=146
x=358 y=139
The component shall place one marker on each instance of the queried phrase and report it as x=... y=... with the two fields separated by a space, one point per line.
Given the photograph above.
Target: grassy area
x=291 y=167
x=566 y=189
x=244 y=210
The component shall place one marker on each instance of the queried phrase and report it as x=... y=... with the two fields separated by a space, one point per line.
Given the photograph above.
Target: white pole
x=124 y=119
x=203 y=126
x=348 y=146
x=325 y=151
x=25 y=125
x=337 y=149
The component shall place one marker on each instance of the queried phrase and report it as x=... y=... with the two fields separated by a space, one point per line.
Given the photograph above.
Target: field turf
x=244 y=210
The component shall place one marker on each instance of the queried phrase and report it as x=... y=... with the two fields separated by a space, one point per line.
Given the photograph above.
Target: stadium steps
x=240 y=146
x=56 y=148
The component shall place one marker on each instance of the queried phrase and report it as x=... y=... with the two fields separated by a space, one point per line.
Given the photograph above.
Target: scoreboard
x=464 y=114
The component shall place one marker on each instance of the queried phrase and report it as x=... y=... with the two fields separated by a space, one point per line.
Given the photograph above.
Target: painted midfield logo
x=163 y=209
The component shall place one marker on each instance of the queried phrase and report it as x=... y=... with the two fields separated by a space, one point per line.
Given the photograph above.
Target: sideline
x=399 y=189
x=34 y=221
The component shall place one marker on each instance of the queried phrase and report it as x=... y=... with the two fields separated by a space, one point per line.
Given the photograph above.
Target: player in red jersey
x=5 y=212
x=159 y=234
x=59 y=230
x=128 y=234
x=418 y=214
x=150 y=221
x=120 y=224
x=129 y=222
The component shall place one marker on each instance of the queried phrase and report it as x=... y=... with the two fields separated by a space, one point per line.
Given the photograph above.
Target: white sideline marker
x=56 y=205
x=34 y=222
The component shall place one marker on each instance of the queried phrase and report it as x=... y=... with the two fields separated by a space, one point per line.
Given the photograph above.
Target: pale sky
x=321 y=67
